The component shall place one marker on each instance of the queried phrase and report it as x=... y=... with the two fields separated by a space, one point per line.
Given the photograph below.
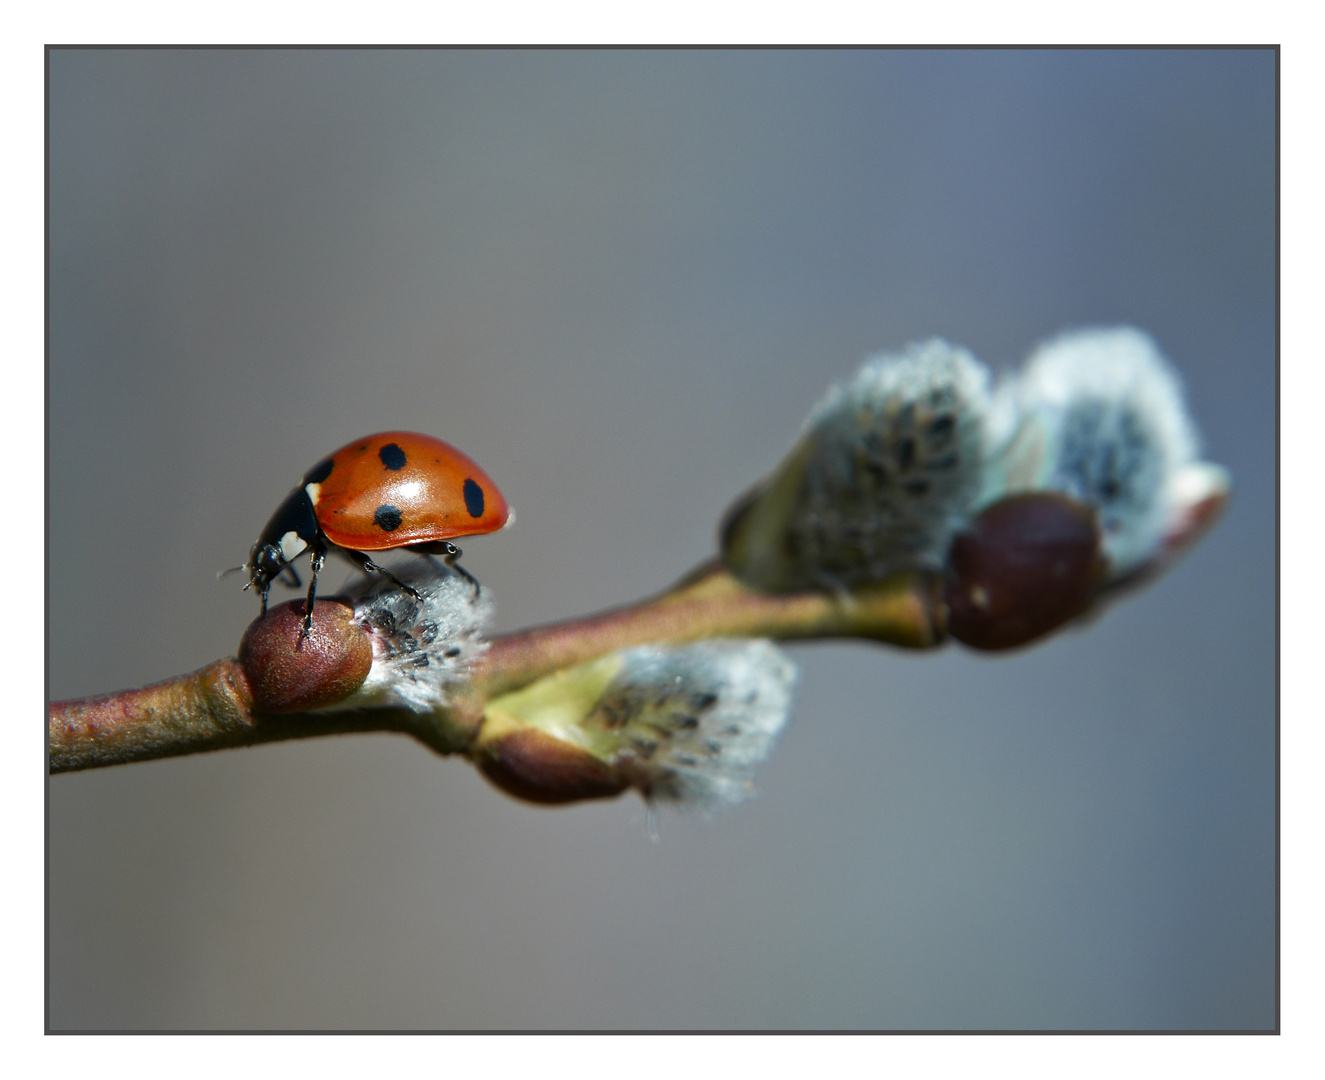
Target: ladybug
x=397 y=489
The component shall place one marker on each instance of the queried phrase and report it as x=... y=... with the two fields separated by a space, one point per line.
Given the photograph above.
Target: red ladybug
x=393 y=490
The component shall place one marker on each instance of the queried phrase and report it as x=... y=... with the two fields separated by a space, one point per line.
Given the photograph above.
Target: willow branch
x=213 y=709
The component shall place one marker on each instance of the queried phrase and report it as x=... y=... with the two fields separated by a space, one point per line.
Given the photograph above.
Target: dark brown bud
x=289 y=673
x=1026 y=565
x=534 y=765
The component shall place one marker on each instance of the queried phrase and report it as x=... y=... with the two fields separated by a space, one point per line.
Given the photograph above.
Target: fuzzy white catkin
x=421 y=648
x=695 y=721
x=899 y=453
x=895 y=461
x=882 y=476
x=1109 y=412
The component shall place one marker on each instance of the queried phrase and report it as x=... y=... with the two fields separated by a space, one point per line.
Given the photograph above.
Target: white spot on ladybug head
x=291 y=544
x=314 y=492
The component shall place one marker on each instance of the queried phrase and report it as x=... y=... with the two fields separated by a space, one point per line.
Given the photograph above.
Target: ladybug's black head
x=290 y=532
x=264 y=563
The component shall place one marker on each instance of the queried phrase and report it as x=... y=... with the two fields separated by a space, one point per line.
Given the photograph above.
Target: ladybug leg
x=318 y=558
x=294 y=576
x=450 y=559
x=449 y=553
x=369 y=567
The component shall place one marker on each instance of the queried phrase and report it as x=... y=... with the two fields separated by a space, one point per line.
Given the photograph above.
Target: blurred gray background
x=620 y=280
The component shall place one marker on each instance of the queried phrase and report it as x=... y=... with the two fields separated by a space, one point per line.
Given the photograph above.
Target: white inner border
x=30 y=26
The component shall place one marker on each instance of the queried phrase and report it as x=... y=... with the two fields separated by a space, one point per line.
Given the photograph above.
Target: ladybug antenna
x=233 y=570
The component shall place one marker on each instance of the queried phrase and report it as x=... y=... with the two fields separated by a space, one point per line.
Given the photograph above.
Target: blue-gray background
x=619 y=280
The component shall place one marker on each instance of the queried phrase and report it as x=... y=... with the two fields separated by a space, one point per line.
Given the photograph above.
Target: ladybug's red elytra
x=396 y=489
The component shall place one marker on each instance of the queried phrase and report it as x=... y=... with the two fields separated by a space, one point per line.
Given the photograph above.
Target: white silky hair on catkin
x=420 y=647
x=1117 y=432
x=697 y=720
x=897 y=458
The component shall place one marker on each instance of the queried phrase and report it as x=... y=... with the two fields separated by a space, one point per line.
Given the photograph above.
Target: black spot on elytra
x=387 y=518
x=393 y=457
x=319 y=472
x=473 y=499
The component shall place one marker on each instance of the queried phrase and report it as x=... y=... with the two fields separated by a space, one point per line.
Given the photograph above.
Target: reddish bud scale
x=292 y=673
x=541 y=768
x=1026 y=565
